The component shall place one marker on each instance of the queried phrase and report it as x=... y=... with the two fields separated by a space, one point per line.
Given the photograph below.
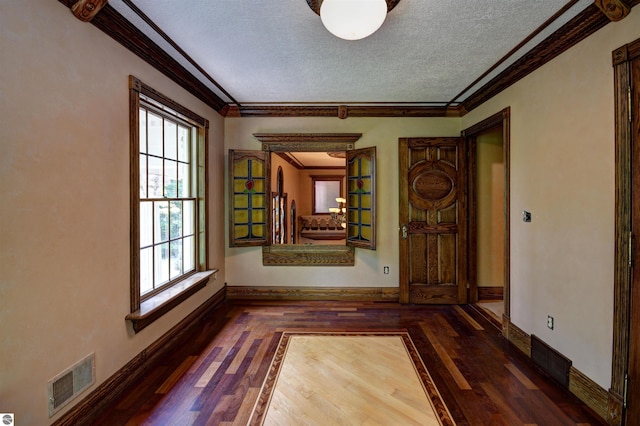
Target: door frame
x=627 y=248
x=470 y=134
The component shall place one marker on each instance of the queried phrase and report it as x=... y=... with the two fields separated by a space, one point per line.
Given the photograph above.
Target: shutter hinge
x=630 y=104
x=625 y=390
x=630 y=246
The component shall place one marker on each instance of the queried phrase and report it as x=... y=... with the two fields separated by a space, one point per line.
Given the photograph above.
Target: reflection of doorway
x=488 y=144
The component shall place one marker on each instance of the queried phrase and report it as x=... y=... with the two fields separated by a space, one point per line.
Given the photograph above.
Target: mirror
x=315 y=180
x=331 y=252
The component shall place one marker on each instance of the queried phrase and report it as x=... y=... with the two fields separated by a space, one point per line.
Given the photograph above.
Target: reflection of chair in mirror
x=320 y=229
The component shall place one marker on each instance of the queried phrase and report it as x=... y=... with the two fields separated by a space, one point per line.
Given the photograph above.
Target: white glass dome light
x=353 y=19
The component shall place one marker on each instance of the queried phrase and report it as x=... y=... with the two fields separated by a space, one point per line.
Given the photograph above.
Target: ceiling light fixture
x=352 y=19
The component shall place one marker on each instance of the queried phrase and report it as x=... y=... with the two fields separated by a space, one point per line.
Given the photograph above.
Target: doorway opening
x=488 y=145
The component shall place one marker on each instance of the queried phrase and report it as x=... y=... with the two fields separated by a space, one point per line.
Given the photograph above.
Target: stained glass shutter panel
x=249 y=186
x=361 y=204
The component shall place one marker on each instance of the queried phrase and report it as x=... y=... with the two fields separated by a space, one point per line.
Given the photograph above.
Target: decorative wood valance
x=301 y=142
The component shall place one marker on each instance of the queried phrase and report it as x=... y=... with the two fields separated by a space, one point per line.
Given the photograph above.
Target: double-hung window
x=168 y=205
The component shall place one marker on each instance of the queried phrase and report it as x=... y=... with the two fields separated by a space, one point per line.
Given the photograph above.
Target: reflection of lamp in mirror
x=339 y=214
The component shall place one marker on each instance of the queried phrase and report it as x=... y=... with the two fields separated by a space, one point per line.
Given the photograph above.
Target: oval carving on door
x=432 y=185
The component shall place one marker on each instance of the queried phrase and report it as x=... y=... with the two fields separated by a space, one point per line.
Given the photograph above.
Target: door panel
x=433 y=220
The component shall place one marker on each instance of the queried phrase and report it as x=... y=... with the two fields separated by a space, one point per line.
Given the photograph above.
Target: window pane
x=146 y=224
x=154 y=127
x=143 y=176
x=188 y=217
x=143 y=129
x=146 y=270
x=155 y=177
x=183 y=180
x=188 y=254
x=183 y=144
x=170 y=144
x=161 y=257
x=175 y=217
x=170 y=179
x=161 y=221
x=176 y=258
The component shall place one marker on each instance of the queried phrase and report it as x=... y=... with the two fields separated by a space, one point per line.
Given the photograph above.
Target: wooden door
x=433 y=235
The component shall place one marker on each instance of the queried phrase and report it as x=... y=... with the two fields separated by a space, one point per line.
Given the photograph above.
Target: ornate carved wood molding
x=342 y=111
x=301 y=142
x=308 y=255
x=615 y=10
x=583 y=25
x=118 y=28
x=86 y=10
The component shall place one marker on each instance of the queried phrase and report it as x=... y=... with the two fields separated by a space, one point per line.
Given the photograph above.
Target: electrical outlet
x=386 y=269
x=550 y=322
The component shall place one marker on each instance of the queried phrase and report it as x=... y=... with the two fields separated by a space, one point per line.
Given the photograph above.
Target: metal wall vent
x=551 y=361
x=70 y=383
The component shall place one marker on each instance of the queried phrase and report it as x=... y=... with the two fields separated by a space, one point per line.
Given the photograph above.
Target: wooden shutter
x=249 y=181
x=361 y=198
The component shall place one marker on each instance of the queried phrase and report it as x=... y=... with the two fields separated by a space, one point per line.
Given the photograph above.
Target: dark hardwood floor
x=216 y=375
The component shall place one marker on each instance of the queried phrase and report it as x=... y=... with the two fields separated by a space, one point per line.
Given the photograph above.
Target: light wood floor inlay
x=349 y=379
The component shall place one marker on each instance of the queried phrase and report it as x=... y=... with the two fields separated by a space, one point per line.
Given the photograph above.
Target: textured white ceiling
x=266 y=51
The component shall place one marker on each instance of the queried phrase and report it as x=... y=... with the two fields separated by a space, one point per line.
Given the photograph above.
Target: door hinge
x=630 y=104
x=630 y=247
x=625 y=390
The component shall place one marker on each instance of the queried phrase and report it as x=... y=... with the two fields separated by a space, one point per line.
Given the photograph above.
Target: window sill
x=158 y=305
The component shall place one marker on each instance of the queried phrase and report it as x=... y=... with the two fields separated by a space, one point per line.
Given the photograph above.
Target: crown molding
x=580 y=27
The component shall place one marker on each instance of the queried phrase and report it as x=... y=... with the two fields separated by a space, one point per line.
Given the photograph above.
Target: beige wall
x=64 y=220
x=367 y=272
x=562 y=170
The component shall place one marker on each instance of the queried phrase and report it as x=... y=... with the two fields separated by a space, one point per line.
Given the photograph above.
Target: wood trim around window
x=144 y=312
